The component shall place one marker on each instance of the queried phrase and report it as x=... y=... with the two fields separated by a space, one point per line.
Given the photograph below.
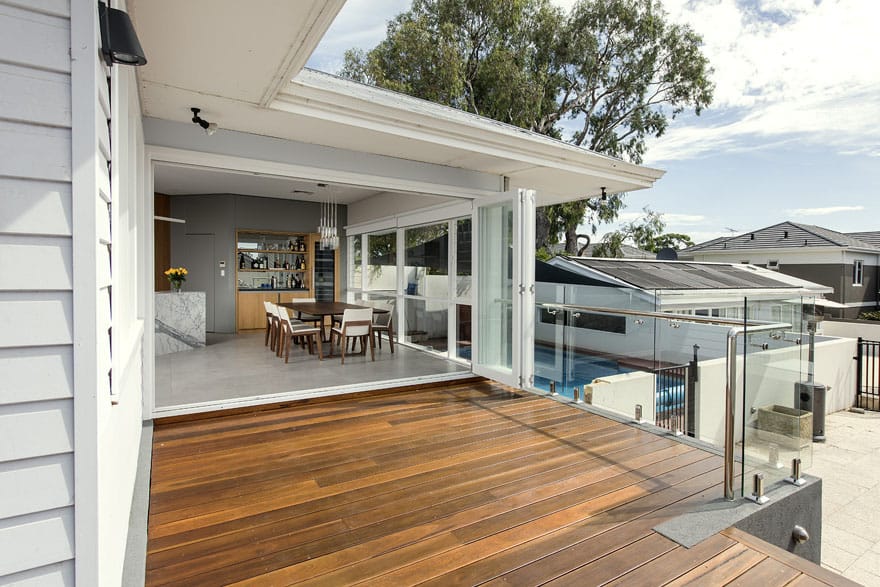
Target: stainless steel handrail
x=667 y=316
x=738 y=327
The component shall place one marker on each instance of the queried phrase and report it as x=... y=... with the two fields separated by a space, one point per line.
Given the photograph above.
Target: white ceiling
x=240 y=50
x=178 y=180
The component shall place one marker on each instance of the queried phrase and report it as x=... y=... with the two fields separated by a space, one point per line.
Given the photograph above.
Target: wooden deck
x=462 y=485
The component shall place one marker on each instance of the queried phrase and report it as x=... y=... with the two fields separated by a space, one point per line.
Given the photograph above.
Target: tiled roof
x=872 y=237
x=785 y=235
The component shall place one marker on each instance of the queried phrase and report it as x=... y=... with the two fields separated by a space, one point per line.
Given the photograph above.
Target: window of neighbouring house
x=858 y=272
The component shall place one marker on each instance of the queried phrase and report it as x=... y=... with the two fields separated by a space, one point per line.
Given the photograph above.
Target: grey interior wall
x=220 y=216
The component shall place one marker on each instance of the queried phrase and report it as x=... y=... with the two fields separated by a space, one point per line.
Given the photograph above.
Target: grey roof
x=682 y=275
x=870 y=237
x=629 y=252
x=783 y=235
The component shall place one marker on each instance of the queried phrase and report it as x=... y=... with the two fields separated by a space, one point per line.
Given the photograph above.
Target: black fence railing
x=868 y=374
x=671 y=393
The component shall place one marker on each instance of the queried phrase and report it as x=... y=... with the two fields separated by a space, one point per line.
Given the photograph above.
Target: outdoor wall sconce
x=210 y=127
x=119 y=41
x=604 y=196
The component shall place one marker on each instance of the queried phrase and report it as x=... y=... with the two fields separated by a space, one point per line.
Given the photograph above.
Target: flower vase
x=175 y=286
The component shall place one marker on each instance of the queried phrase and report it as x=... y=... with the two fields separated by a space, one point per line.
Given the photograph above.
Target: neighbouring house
x=97 y=157
x=849 y=263
x=725 y=291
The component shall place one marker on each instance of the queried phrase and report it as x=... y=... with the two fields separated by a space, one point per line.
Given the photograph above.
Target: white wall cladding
x=36 y=301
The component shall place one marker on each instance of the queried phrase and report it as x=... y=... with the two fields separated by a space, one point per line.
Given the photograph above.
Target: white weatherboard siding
x=64 y=513
x=36 y=299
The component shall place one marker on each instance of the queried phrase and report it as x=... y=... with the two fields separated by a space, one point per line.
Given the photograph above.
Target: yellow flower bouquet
x=176 y=275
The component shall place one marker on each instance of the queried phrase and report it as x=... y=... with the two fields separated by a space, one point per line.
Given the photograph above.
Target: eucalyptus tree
x=607 y=75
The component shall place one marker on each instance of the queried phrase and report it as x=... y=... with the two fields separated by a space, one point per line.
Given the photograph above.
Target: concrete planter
x=788 y=427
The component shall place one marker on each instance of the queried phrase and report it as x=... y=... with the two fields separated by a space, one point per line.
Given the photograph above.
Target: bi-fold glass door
x=504 y=278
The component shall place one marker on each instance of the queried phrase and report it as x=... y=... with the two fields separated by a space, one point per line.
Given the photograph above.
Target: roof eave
x=322 y=95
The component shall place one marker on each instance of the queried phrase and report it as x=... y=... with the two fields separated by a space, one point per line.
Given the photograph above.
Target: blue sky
x=793 y=132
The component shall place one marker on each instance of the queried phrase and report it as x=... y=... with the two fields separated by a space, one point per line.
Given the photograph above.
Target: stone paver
x=849 y=464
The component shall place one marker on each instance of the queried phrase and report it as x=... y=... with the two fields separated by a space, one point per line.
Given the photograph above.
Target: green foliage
x=870 y=315
x=543 y=254
x=618 y=67
x=645 y=233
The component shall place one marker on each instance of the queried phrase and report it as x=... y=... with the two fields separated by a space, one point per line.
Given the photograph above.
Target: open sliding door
x=504 y=230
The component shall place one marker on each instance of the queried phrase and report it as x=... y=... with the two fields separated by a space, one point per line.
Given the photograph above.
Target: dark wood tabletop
x=327 y=308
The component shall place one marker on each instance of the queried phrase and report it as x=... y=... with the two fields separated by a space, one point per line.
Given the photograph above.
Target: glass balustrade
x=665 y=358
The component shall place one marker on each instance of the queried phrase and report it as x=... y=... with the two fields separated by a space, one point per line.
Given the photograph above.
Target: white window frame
x=858 y=272
x=452 y=300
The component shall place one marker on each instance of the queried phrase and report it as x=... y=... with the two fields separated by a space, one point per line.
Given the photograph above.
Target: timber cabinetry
x=271 y=266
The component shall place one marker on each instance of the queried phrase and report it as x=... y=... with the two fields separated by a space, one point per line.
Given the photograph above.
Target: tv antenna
x=732 y=231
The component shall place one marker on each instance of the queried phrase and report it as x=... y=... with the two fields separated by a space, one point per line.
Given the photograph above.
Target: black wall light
x=119 y=41
x=210 y=127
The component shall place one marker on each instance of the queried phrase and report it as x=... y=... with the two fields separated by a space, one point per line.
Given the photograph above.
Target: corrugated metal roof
x=678 y=275
x=784 y=235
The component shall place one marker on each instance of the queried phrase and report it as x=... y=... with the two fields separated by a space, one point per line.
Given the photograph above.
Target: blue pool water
x=583 y=368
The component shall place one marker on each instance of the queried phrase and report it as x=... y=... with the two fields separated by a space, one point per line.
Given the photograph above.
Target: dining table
x=324 y=309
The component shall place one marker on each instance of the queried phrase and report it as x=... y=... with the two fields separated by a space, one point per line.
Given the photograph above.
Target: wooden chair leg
x=287 y=348
x=318 y=343
x=390 y=333
x=343 y=352
x=268 y=328
x=372 y=347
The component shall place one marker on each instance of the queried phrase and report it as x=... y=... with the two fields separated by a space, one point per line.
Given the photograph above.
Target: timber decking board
x=471 y=483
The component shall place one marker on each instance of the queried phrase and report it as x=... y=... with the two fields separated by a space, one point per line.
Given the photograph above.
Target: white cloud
x=784 y=69
x=824 y=211
x=687 y=219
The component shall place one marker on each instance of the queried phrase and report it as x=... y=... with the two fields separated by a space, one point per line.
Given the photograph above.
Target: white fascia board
x=301 y=48
x=713 y=297
x=324 y=96
x=176 y=156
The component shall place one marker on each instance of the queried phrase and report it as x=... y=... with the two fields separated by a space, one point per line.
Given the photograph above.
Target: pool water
x=576 y=369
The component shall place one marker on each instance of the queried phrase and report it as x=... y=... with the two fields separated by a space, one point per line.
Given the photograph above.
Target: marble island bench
x=180 y=321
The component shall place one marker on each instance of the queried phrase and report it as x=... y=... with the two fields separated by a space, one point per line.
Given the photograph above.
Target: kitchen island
x=180 y=321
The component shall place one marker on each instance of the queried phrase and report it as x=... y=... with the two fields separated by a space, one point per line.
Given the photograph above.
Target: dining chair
x=305 y=317
x=384 y=322
x=272 y=325
x=293 y=329
x=356 y=324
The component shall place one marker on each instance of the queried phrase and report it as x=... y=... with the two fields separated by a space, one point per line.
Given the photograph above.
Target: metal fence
x=674 y=395
x=868 y=374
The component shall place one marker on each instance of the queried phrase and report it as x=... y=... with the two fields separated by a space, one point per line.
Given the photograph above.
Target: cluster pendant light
x=327 y=231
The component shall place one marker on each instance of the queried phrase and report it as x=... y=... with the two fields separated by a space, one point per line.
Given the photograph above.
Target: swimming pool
x=571 y=368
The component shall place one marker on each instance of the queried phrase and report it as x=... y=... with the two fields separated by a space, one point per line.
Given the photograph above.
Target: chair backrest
x=303 y=300
x=286 y=315
x=383 y=318
x=270 y=307
x=357 y=322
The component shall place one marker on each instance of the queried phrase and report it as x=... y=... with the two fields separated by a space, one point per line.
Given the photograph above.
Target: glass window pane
x=356 y=262
x=463 y=258
x=382 y=262
x=495 y=303
x=427 y=324
x=463 y=332
x=427 y=260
